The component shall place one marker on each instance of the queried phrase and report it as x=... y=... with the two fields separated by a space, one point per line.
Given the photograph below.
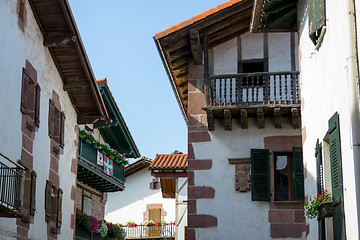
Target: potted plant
x=320 y=206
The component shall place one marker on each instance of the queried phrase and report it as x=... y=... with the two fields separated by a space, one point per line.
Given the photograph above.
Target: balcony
x=260 y=95
x=92 y=174
x=144 y=232
x=11 y=183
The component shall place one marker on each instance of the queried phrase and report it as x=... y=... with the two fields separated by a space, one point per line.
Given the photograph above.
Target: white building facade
x=40 y=133
x=242 y=105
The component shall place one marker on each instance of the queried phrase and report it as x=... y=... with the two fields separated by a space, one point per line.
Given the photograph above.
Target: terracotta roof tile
x=196 y=18
x=169 y=162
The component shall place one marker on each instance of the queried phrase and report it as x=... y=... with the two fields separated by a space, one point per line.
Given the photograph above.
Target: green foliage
x=103 y=147
x=312 y=209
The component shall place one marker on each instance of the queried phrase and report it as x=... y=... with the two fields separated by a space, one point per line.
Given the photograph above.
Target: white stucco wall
x=235 y=211
x=326 y=88
x=252 y=47
x=130 y=204
x=16 y=47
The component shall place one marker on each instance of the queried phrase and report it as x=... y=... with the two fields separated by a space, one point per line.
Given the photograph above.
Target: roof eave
x=171 y=78
x=83 y=117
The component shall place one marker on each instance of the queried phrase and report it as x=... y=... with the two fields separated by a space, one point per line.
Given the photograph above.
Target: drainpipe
x=353 y=83
x=176 y=210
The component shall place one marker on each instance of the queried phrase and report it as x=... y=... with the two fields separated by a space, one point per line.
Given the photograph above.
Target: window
x=56 y=123
x=155 y=184
x=252 y=66
x=86 y=204
x=317 y=20
x=288 y=175
x=30 y=100
x=283 y=177
x=53 y=205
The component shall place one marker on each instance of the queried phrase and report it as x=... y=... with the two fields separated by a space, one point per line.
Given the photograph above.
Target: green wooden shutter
x=260 y=175
x=316 y=10
x=298 y=173
x=320 y=186
x=336 y=177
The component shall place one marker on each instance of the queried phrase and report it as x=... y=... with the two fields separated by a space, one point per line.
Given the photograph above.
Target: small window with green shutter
x=317 y=19
x=260 y=175
x=288 y=175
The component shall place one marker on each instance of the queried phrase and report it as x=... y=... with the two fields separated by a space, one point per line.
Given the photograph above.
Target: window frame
x=290 y=171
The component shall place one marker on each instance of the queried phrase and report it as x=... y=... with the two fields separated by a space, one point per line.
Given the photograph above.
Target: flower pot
x=326 y=209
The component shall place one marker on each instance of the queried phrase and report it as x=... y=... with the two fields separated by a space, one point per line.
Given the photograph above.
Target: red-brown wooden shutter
x=51 y=118
x=62 y=129
x=24 y=92
x=59 y=208
x=57 y=125
x=33 y=193
x=37 y=105
x=48 y=191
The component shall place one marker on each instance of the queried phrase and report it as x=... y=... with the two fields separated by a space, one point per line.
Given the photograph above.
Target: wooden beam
x=295 y=118
x=90 y=119
x=277 y=117
x=59 y=41
x=178 y=54
x=227 y=120
x=260 y=118
x=169 y=174
x=74 y=86
x=195 y=45
x=177 y=45
x=244 y=119
x=210 y=120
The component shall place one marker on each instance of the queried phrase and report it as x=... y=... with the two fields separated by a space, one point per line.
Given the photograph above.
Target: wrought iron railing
x=10 y=184
x=143 y=231
x=262 y=88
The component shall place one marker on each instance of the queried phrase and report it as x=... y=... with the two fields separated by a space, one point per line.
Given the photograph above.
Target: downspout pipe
x=353 y=83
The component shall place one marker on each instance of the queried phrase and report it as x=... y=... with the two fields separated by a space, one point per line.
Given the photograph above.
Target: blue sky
x=118 y=38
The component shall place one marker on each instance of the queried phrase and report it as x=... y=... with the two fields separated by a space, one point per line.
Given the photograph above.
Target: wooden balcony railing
x=10 y=185
x=254 y=89
x=166 y=231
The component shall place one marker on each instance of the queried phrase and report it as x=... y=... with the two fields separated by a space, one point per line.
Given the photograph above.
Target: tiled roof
x=169 y=162
x=196 y=18
x=182 y=44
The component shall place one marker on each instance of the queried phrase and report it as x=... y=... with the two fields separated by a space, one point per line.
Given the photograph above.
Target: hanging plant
x=104 y=148
x=312 y=209
x=94 y=226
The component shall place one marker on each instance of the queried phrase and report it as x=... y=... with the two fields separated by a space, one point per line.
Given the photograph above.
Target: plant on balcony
x=103 y=228
x=131 y=224
x=149 y=223
x=93 y=226
x=312 y=209
x=105 y=148
x=116 y=230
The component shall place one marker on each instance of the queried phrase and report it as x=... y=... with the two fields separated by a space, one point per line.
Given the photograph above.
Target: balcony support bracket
x=277 y=117
x=295 y=118
x=260 y=118
x=210 y=120
x=227 y=120
x=244 y=118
